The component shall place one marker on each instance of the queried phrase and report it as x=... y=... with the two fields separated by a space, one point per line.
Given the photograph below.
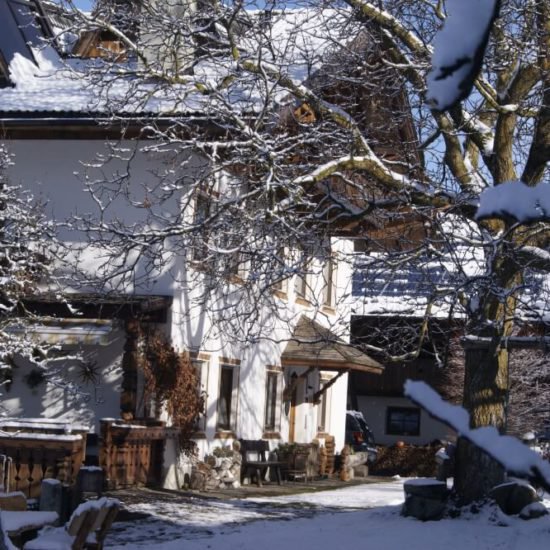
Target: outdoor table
x=19 y=525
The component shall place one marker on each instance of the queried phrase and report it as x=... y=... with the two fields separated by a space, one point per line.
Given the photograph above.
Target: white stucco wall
x=87 y=405
x=374 y=410
x=59 y=173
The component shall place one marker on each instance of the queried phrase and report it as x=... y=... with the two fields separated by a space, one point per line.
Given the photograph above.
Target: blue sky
x=84 y=4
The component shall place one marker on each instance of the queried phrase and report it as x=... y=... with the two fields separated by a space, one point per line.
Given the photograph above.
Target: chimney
x=165 y=35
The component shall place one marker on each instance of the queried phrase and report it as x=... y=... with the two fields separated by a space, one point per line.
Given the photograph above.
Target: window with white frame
x=201 y=369
x=329 y=281
x=227 y=397
x=272 y=416
x=302 y=281
x=323 y=410
x=235 y=264
x=280 y=282
x=202 y=211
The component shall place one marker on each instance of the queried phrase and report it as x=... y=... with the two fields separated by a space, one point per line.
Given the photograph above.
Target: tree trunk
x=485 y=397
x=486 y=379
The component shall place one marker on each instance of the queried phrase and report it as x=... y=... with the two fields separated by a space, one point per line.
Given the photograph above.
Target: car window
x=352 y=424
x=367 y=434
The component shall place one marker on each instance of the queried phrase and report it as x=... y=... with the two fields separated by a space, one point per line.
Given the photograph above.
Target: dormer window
x=22 y=27
x=4 y=79
x=26 y=18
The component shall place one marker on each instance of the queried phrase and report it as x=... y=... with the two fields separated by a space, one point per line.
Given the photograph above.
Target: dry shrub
x=171 y=379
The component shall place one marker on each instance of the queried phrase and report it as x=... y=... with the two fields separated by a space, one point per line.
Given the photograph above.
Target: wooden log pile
x=218 y=472
x=353 y=464
x=330 y=446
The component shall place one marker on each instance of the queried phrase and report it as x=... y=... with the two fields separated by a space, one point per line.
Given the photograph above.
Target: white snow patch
x=517 y=200
x=455 y=47
x=361 y=516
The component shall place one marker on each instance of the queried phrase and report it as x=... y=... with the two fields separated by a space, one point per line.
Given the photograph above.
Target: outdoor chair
x=86 y=528
x=103 y=522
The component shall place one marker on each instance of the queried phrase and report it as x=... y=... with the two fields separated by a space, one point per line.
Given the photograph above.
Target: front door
x=293 y=407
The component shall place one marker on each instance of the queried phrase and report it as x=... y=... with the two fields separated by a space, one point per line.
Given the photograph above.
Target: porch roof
x=313 y=345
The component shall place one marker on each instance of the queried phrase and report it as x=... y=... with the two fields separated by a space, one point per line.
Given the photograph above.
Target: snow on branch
x=459 y=48
x=512 y=454
x=515 y=200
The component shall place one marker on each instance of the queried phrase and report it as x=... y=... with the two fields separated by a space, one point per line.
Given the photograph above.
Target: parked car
x=359 y=436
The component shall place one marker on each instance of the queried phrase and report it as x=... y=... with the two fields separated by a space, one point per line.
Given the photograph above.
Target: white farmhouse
x=268 y=340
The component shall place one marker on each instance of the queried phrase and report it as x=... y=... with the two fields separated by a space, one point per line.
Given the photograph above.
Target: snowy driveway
x=363 y=516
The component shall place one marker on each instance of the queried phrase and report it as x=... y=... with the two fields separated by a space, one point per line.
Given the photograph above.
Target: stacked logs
x=221 y=470
x=330 y=447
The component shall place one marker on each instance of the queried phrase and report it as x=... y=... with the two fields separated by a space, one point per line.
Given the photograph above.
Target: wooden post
x=105 y=452
x=130 y=361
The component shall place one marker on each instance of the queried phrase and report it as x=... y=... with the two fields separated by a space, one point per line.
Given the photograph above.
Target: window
x=322 y=418
x=280 y=282
x=403 y=421
x=203 y=204
x=324 y=405
x=4 y=80
x=227 y=398
x=20 y=27
x=234 y=263
x=271 y=421
x=27 y=21
x=301 y=283
x=201 y=368
x=329 y=282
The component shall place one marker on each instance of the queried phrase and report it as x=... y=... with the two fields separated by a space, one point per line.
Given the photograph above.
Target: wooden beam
x=330 y=365
x=317 y=395
x=130 y=362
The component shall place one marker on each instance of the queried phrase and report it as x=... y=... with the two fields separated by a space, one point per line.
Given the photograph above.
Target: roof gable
x=317 y=346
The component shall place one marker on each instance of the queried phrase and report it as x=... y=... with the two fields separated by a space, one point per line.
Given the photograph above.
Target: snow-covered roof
x=44 y=81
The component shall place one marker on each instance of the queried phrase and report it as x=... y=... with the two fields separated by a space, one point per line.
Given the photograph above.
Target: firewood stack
x=330 y=450
x=218 y=472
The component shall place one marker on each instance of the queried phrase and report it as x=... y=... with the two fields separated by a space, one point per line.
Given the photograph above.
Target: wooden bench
x=86 y=528
x=255 y=453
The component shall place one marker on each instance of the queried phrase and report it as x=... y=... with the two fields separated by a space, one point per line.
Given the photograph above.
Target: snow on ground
x=362 y=516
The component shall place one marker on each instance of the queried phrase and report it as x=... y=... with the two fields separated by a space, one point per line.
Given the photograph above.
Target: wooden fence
x=32 y=457
x=132 y=453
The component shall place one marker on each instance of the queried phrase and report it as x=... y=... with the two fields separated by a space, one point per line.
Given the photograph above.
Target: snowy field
x=363 y=516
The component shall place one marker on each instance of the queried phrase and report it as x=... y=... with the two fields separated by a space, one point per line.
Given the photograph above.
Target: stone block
x=514 y=496
x=425 y=499
x=52 y=497
x=424 y=509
